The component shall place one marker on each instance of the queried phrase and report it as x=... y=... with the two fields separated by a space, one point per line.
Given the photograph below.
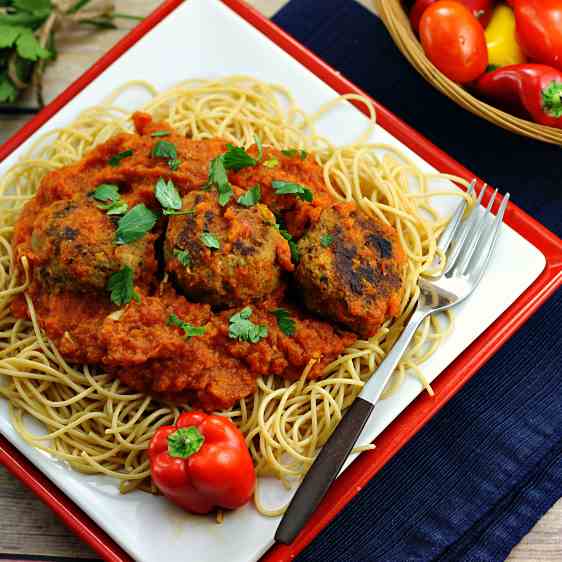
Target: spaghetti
x=97 y=424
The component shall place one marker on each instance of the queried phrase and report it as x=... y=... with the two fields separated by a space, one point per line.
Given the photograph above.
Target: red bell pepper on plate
x=534 y=88
x=202 y=463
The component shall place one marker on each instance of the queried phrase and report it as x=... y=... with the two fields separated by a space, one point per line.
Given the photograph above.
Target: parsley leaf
x=271 y=163
x=110 y=192
x=243 y=329
x=286 y=324
x=173 y=212
x=251 y=197
x=290 y=152
x=167 y=194
x=9 y=34
x=326 y=240
x=121 y=286
x=183 y=257
x=260 y=147
x=160 y=134
x=219 y=178
x=188 y=328
x=288 y=188
x=135 y=224
x=166 y=149
x=37 y=7
x=8 y=92
x=210 y=240
x=292 y=244
x=237 y=158
x=106 y=192
x=116 y=159
x=303 y=154
x=29 y=48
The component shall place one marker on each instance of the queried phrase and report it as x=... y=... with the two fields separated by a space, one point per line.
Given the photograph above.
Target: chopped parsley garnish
x=271 y=163
x=236 y=158
x=210 y=240
x=288 y=188
x=293 y=152
x=286 y=324
x=135 y=224
x=219 y=178
x=326 y=240
x=183 y=257
x=292 y=244
x=166 y=149
x=167 y=194
x=260 y=148
x=251 y=197
x=116 y=159
x=121 y=286
x=241 y=328
x=188 y=328
x=109 y=192
x=160 y=134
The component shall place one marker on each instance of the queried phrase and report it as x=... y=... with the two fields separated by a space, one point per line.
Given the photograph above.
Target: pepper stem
x=185 y=442
x=552 y=99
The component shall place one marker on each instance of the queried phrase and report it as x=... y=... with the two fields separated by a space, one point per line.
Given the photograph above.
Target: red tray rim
x=410 y=420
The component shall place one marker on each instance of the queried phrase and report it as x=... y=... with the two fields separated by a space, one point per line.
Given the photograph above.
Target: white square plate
x=205 y=39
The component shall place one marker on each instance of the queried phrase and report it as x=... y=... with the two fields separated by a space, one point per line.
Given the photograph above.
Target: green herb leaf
x=243 y=329
x=37 y=7
x=173 y=212
x=210 y=240
x=290 y=152
x=121 y=286
x=289 y=188
x=237 y=158
x=135 y=224
x=286 y=324
x=29 y=48
x=183 y=257
x=293 y=246
x=8 y=92
x=303 y=154
x=271 y=163
x=326 y=240
x=189 y=330
x=116 y=159
x=107 y=192
x=174 y=164
x=184 y=442
x=9 y=34
x=164 y=149
x=167 y=194
x=161 y=134
x=260 y=147
x=251 y=197
x=219 y=178
x=118 y=208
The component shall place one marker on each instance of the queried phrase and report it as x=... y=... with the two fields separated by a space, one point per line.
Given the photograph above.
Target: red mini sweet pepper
x=202 y=463
x=534 y=88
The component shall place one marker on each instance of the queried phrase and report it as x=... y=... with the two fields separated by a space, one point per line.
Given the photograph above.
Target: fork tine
x=449 y=233
x=485 y=253
x=465 y=230
x=472 y=242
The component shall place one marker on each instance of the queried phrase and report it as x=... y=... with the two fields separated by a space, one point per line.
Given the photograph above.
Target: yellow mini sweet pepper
x=501 y=39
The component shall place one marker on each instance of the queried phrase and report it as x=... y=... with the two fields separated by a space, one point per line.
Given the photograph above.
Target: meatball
x=351 y=269
x=225 y=255
x=72 y=247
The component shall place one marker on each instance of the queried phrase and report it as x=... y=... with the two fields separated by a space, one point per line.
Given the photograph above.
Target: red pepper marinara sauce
x=69 y=244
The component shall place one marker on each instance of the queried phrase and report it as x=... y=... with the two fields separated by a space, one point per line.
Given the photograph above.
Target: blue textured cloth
x=473 y=482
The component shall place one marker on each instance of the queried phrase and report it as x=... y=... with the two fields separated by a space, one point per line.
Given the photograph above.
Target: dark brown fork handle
x=323 y=471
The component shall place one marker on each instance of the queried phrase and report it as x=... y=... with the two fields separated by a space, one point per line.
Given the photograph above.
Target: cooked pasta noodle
x=98 y=425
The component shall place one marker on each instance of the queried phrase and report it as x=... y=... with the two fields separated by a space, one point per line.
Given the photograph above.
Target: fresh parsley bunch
x=27 y=38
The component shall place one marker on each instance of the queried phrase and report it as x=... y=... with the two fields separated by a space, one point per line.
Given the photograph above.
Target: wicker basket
x=396 y=20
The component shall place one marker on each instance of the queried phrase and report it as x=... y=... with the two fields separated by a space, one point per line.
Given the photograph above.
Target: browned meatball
x=225 y=255
x=72 y=245
x=351 y=269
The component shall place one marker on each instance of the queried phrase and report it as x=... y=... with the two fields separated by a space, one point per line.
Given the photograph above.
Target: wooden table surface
x=27 y=526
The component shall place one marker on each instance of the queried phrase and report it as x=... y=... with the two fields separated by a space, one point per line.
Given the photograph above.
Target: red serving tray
x=420 y=411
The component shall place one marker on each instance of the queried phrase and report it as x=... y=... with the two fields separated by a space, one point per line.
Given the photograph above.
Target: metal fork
x=468 y=246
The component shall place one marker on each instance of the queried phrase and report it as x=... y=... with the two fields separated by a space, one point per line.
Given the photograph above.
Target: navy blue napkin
x=473 y=482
